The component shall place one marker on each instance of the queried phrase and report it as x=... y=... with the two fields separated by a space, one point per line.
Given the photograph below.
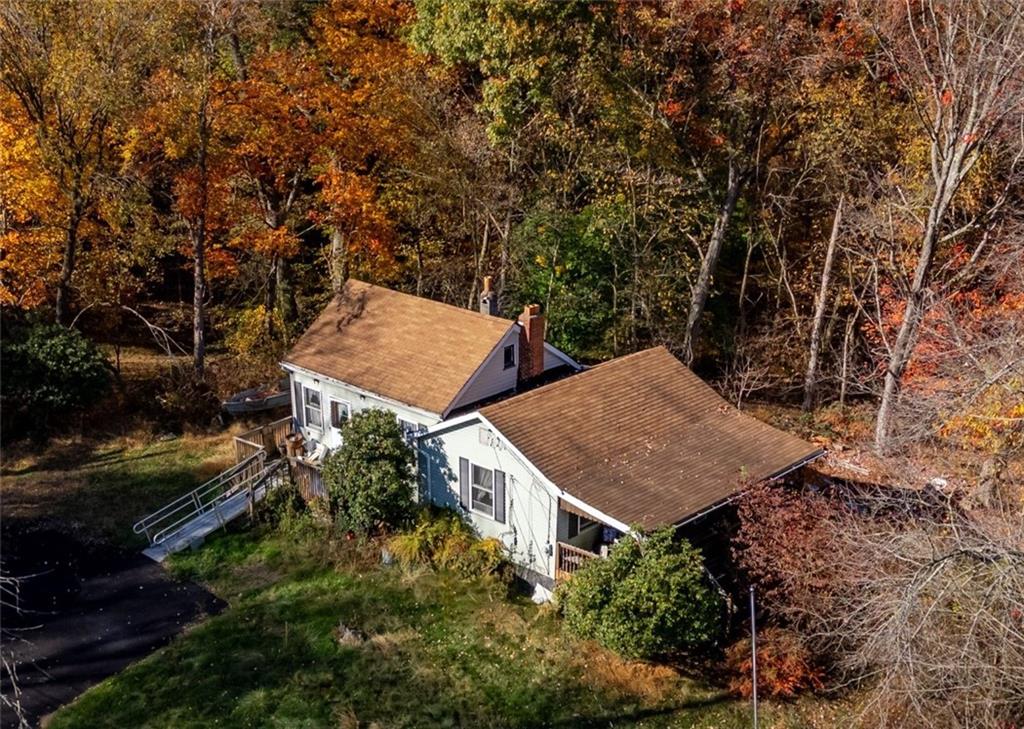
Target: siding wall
x=552 y=360
x=492 y=378
x=531 y=510
x=357 y=401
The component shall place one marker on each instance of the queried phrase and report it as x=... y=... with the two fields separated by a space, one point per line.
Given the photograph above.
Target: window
x=510 y=356
x=409 y=430
x=341 y=411
x=313 y=415
x=481 y=491
x=577 y=524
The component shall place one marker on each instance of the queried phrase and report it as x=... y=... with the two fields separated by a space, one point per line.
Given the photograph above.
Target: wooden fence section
x=245 y=448
x=269 y=438
x=308 y=479
x=568 y=559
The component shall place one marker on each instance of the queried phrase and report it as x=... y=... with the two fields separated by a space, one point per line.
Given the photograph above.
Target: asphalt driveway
x=88 y=611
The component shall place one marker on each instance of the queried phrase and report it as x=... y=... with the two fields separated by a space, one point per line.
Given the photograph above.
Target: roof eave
x=735 y=495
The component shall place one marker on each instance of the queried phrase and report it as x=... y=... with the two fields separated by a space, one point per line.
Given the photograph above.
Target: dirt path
x=89 y=612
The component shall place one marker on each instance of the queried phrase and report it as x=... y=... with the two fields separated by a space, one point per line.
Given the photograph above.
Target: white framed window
x=510 y=356
x=481 y=490
x=312 y=409
x=341 y=411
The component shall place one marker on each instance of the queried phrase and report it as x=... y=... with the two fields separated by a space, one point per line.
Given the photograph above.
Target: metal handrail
x=201 y=499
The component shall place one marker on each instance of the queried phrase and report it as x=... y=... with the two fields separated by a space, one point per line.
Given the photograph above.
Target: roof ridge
x=461 y=310
x=565 y=381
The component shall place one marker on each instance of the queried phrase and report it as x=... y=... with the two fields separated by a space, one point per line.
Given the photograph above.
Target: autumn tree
x=30 y=236
x=75 y=69
x=179 y=144
x=960 y=65
x=367 y=110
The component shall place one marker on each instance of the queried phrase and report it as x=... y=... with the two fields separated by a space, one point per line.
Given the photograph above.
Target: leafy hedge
x=649 y=598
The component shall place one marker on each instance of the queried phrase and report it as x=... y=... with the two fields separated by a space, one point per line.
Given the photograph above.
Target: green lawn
x=439 y=651
x=106 y=485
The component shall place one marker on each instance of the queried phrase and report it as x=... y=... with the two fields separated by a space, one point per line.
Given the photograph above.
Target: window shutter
x=464 y=483
x=297 y=400
x=499 y=496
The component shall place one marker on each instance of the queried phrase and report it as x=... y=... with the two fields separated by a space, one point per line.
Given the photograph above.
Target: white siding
x=357 y=400
x=492 y=378
x=552 y=358
x=531 y=510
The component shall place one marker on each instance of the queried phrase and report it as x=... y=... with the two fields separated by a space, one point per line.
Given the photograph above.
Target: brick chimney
x=488 y=299
x=531 y=343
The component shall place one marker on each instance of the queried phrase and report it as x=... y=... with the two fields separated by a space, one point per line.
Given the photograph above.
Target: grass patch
x=436 y=650
x=105 y=486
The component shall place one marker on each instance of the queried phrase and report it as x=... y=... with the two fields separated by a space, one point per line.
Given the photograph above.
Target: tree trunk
x=844 y=372
x=199 y=301
x=472 y=303
x=286 y=305
x=270 y=297
x=339 y=260
x=702 y=289
x=810 y=380
x=67 y=268
x=946 y=181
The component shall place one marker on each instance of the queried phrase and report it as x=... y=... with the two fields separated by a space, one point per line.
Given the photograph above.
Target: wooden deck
x=308 y=478
x=568 y=559
x=269 y=438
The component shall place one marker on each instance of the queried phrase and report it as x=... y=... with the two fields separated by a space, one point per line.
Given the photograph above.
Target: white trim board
x=360 y=390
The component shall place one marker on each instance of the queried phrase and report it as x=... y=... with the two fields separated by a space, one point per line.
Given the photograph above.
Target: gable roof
x=409 y=349
x=643 y=439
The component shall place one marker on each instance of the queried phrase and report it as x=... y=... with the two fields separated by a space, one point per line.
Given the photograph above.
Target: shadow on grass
x=70 y=455
x=105 y=488
x=614 y=718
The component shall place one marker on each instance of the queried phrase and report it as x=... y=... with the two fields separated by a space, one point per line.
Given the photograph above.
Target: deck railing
x=569 y=559
x=175 y=516
x=269 y=438
x=308 y=479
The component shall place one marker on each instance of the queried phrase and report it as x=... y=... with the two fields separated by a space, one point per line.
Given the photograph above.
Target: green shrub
x=281 y=506
x=48 y=369
x=370 y=478
x=443 y=540
x=649 y=598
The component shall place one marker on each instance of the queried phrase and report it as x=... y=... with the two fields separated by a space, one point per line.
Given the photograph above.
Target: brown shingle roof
x=643 y=440
x=410 y=349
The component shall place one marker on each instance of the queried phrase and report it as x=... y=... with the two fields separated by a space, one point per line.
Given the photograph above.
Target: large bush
x=370 y=478
x=48 y=371
x=649 y=598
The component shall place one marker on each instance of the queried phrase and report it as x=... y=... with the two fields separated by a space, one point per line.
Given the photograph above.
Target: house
x=372 y=347
x=557 y=473
x=553 y=461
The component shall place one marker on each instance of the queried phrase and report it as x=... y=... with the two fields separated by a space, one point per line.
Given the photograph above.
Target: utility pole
x=753 y=651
